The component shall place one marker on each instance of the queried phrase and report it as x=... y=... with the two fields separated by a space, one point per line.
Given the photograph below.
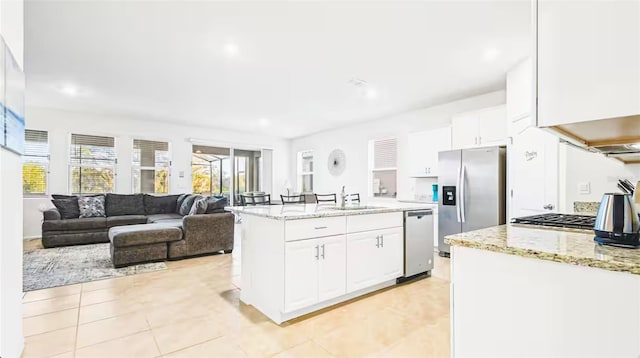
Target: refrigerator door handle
x=459 y=188
x=462 y=192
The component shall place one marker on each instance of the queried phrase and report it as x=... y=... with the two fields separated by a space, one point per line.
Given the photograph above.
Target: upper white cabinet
x=588 y=60
x=520 y=91
x=479 y=128
x=423 y=150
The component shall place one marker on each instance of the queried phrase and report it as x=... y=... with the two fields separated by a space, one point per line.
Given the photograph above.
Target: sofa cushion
x=91 y=206
x=162 y=217
x=179 y=201
x=199 y=205
x=75 y=224
x=68 y=208
x=117 y=204
x=171 y=222
x=125 y=220
x=64 y=196
x=165 y=204
x=186 y=205
x=216 y=204
x=134 y=235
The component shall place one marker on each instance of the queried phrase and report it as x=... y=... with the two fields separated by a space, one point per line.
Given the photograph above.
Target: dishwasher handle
x=418 y=213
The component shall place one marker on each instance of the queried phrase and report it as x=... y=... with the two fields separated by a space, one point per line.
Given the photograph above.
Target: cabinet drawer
x=357 y=223
x=310 y=228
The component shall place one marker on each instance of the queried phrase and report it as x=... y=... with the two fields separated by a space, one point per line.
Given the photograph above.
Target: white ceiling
x=166 y=60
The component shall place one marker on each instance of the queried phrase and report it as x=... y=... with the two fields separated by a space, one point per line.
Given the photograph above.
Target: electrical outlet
x=584 y=188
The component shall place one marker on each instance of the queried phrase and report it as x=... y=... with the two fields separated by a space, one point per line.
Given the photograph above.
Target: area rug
x=45 y=268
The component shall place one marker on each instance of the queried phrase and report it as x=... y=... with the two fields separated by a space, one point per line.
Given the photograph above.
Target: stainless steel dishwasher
x=418 y=243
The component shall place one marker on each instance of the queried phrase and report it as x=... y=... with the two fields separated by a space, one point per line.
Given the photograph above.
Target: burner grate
x=558 y=220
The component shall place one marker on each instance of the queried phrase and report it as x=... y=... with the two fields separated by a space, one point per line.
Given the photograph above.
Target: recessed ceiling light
x=491 y=54
x=69 y=90
x=231 y=49
x=264 y=122
x=371 y=93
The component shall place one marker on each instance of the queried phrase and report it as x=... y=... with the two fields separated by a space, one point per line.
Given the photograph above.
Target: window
x=151 y=167
x=305 y=171
x=210 y=170
x=246 y=171
x=36 y=162
x=383 y=161
x=92 y=164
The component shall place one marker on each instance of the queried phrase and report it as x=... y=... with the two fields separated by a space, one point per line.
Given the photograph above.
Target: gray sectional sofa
x=202 y=233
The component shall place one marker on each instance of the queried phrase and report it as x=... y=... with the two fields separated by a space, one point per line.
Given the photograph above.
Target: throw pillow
x=165 y=204
x=68 y=208
x=186 y=205
x=216 y=204
x=118 y=204
x=91 y=206
x=179 y=201
x=199 y=206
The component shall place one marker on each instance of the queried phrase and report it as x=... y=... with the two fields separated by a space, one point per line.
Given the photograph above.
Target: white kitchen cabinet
x=301 y=274
x=479 y=128
x=391 y=264
x=362 y=259
x=374 y=257
x=520 y=92
x=332 y=278
x=314 y=271
x=588 y=60
x=423 y=149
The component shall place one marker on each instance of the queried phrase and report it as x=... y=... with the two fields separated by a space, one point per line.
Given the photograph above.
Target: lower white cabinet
x=314 y=271
x=373 y=257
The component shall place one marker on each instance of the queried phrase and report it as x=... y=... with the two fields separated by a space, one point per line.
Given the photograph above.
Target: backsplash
x=586 y=207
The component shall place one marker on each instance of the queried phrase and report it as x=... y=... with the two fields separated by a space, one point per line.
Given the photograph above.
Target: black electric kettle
x=617 y=222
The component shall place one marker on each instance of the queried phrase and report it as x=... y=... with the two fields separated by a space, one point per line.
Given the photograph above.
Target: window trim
x=47 y=166
x=70 y=165
x=300 y=173
x=155 y=168
x=372 y=169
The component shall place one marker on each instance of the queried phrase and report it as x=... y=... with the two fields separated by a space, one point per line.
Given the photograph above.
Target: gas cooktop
x=584 y=222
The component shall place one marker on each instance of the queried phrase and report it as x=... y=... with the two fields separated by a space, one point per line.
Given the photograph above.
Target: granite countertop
x=575 y=247
x=306 y=211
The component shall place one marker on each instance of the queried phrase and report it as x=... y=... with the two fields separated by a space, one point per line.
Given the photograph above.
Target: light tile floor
x=193 y=310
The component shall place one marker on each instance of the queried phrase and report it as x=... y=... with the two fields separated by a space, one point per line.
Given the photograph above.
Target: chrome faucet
x=343 y=198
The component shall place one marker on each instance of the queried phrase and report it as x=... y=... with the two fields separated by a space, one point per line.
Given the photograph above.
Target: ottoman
x=134 y=244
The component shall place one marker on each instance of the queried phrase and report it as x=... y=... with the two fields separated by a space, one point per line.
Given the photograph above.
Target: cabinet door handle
x=320 y=227
x=381 y=240
x=323 y=251
x=378 y=241
x=317 y=252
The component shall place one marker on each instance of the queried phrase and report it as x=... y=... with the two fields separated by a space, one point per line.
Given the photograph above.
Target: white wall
x=61 y=124
x=353 y=140
x=602 y=173
x=11 y=340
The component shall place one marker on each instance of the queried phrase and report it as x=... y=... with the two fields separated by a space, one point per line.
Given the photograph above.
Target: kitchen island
x=535 y=292
x=297 y=259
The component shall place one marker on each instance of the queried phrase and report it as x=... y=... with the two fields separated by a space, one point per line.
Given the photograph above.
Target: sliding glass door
x=221 y=171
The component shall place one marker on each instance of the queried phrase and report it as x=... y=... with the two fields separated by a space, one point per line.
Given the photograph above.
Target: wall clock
x=337 y=162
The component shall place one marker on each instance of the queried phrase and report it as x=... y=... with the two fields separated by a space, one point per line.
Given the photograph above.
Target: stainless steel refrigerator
x=472 y=191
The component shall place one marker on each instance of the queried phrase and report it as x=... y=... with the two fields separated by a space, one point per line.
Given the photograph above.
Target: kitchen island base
x=293 y=267
x=504 y=305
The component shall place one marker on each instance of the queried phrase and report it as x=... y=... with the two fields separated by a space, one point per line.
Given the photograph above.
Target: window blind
x=36 y=162
x=92 y=164
x=150 y=168
x=385 y=153
x=148 y=153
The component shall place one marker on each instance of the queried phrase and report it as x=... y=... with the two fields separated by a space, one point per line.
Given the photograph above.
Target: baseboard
x=31 y=237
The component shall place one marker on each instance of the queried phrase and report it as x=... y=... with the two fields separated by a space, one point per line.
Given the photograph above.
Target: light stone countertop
x=575 y=247
x=306 y=211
